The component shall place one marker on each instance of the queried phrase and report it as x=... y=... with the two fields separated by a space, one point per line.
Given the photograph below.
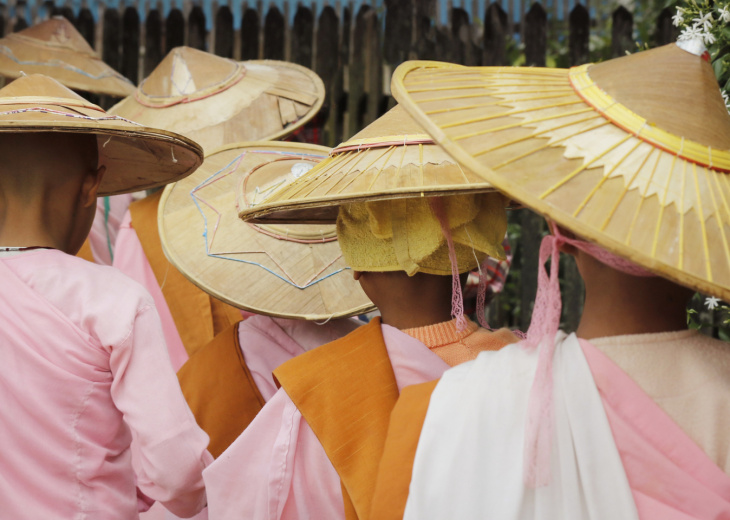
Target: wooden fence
x=354 y=48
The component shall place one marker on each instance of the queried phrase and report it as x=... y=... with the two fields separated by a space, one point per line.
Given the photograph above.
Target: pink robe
x=104 y=231
x=88 y=390
x=670 y=476
x=130 y=259
x=277 y=469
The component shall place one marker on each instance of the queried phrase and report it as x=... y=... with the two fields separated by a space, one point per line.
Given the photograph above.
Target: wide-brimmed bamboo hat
x=135 y=157
x=55 y=48
x=632 y=154
x=285 y=271
x=218 y=101
x=391 y=158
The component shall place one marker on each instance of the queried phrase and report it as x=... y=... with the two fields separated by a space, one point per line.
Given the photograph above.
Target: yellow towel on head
x=405 y=235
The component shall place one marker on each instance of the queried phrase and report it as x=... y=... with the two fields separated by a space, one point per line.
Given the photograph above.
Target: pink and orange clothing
x=190 y=317
x=88 y=394
x=323 y=431
x=635 y=392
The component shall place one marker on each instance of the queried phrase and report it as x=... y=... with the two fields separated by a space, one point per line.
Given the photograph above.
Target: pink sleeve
x=130 y=259
x=275 y=470
x=169 y=449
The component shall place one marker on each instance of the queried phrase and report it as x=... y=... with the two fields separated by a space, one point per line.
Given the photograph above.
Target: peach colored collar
x=440 y=334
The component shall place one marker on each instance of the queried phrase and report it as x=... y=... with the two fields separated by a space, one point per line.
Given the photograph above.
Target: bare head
x=48 y=188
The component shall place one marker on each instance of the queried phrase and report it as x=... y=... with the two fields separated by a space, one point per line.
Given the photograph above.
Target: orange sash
x=220 y=390
x=85 y=251
x=197 y=315
x=346 y=390
x=396 y=464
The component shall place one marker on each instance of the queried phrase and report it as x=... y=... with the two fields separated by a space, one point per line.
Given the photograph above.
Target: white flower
x=724 y=14
x=678 y=19
x=712 y=303
x=726 y=99
x=705 y=21
x=708 y=38
x=691 y=33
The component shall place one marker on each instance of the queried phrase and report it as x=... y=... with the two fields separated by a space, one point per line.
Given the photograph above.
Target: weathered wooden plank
x=579 y=23
x=529 y=248
x=621 y=32
x=111 y=42
x=463 y=48
x=357 y=94
x=250 y=29
x=328 y=66
x=153 y=41
x=398 y=31
x=342 y=106
x=274 y=29
x=496 y=31
x=86 y=26
x=196 y=28
x=666 y=31
x=130 y=44
x=535 y=33
x=223 y=45
x=174 y=30
x=302 y=36
x=424 y=34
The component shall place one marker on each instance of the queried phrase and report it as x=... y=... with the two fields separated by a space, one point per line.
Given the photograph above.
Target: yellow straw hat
x=633 y=153
x=218 y=101
x=285 y=271
x=391 y=158
x=55 y=48
x=135 y=157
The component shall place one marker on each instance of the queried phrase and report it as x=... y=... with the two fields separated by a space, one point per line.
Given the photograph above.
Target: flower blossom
x=691 y=33
x=678 y=19
x=704 y=21
x=712 y=303
x=724 y=14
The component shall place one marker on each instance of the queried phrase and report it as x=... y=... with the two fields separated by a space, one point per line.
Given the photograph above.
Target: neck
x=618 y=304
x=418 y=317
x=24 y=225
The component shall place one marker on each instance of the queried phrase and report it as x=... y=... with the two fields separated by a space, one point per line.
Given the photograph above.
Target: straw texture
x=135 y=157
x=291 y=272
x=55 y=48
x=391 y=158
x=217 y=101
x=632 y=154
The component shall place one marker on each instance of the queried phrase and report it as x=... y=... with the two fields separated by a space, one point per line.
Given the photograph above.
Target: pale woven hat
x=632 y=154
x=135 y=157
x=391 y=158
x=55 y=48
x=217 y=101
x=290 y=272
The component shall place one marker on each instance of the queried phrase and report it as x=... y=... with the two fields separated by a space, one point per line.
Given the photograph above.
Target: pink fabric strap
x=541 y=334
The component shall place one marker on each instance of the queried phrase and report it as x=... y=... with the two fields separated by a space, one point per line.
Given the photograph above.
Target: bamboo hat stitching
x=286 y=271
x=217 y=101
x=55 y=48
x=632 y=154
x=135 y=157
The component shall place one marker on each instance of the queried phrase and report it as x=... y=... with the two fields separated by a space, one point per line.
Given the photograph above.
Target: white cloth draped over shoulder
x=479 y=444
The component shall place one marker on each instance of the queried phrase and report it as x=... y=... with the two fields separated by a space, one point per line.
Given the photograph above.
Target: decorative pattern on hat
x=55 y=48
x=287 y=271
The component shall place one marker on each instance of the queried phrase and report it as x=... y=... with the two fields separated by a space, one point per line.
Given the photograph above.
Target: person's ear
x=356 y=275
x=90 y=187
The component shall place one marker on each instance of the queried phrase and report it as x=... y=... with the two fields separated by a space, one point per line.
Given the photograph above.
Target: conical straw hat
x=391 y=158
x=291 y=272
x=55 y=48
x=217 y=101
x=135 y=157
x=633 y=153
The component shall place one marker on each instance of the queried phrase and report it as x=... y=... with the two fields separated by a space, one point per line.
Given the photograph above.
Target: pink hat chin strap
x=541 y=334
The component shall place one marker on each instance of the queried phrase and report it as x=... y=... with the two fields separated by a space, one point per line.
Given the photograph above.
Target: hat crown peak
x=648 y=82
x=186 y=72
x=58 y=32
x=38 y=86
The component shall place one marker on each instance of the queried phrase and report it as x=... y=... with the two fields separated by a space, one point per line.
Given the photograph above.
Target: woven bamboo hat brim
x=135 y=157
x=291 y=272
x=55 y=48
x=632 y=154
x=390 y=158
x=217 y=101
